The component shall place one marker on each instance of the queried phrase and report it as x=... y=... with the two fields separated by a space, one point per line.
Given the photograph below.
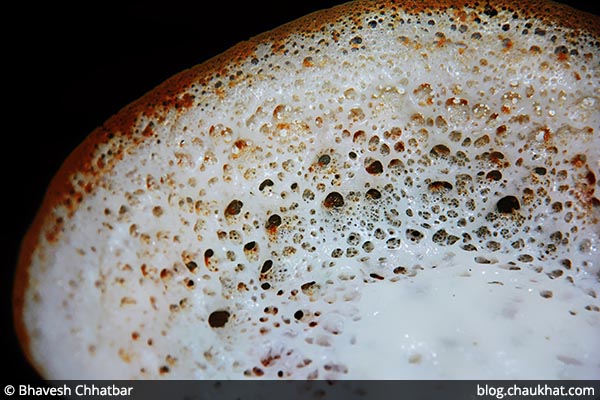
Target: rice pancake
x=379 y=190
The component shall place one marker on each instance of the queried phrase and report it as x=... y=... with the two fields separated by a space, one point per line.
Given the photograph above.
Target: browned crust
x=84 y=159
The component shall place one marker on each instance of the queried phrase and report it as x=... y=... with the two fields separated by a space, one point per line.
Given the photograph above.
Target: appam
x=375 y=191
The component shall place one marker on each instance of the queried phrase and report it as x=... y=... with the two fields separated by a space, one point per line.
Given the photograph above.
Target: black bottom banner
x=318 y=390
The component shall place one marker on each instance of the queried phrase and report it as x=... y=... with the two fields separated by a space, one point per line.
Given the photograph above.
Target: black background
x=69 y=68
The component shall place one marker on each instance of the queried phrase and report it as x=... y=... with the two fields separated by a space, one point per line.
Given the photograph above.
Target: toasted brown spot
x=440 y=150
x=508 y=204
x=264 y=184
x=324 y=160
x=438 y=186
x=233 y=208
x=273 y=222
x=333 y=200
x=373 y=194
x=266 y=267
x=163 y=370
x=375 y=168
x=191 y=266
x=494 y=175
x=218 y=319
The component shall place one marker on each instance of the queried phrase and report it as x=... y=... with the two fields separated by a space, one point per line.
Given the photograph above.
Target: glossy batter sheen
x=379 y=191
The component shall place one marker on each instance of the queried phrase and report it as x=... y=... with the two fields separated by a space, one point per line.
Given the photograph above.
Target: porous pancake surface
x=377 y=191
